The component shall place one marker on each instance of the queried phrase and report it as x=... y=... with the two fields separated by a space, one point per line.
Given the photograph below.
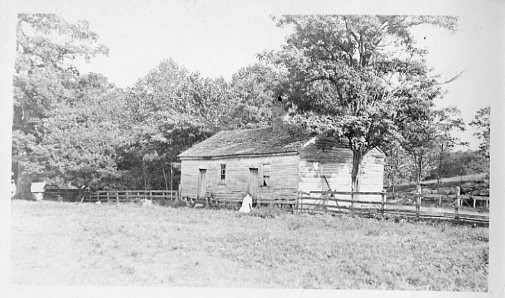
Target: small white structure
x=146 y=203
x=246 y=204
x=37 y=189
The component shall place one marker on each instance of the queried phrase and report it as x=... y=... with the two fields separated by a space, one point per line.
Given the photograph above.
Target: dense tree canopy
x=425 y=142
x=44 y=78
x=252 y=91
x=358 y=77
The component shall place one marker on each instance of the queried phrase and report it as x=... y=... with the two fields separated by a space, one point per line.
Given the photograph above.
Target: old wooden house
x=273 y=163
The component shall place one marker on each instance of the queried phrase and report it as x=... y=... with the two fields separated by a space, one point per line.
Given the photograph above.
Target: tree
x=168 y=111
x=81 y=139
x=448 y=119
x=44 y=77
x=396 y=167
x=481 y=122
x=461 y=163
x=252 y=90
x=425 y=140
x=358 y=77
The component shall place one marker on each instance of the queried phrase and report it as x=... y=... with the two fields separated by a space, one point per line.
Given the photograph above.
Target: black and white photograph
x=248 y=148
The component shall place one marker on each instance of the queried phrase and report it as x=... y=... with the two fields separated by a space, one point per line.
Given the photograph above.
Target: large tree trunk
x=357 y=158
x=23 y=184
x=164 y=175
x=419 y=173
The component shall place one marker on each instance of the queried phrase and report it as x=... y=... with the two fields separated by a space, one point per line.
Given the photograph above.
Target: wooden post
x=179 y=194
x=383 y=200
x=456 y=206
x=171 y=177
x=352 y=201
x=297 y=203
x=418 y=204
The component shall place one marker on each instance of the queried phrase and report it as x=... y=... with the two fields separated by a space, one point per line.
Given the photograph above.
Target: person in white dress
x=246 y=204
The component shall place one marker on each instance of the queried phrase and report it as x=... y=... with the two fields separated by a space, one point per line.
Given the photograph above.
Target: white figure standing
x=246 y=204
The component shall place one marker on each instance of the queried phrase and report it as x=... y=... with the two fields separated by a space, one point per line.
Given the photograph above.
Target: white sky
x=216 y=38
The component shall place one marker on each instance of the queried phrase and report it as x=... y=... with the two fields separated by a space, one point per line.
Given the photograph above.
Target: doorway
x=202 y=183
x=252 y=185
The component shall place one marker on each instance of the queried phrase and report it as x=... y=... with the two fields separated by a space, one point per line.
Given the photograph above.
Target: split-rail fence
x=315 y=202
x=327 y=202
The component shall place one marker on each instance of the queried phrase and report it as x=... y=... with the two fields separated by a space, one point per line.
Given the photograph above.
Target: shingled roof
x=247 y=141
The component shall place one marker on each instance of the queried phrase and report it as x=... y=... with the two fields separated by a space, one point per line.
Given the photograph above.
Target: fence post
x=352 y=201
x=179 y=194
x=418 y=204
x=383 y=200
x=456 y=206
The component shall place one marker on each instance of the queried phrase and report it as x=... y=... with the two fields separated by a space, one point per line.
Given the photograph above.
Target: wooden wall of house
x=283 y=177
x=336 y=165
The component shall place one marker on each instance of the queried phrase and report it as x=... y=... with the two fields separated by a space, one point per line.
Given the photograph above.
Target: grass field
x=126 y=244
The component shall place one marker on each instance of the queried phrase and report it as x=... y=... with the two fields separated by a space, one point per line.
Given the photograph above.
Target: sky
x=217 y=38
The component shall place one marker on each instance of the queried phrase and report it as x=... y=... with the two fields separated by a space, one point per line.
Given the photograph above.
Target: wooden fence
x=325 y=201
x=315 y=201
x=230 y=203
x=131 y=196
x=74 y=195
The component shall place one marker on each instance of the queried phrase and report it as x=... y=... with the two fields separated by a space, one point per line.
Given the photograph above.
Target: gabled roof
x=248 y=142
x=256 y=142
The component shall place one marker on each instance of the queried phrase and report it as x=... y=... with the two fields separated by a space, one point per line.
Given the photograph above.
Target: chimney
x=278 y=114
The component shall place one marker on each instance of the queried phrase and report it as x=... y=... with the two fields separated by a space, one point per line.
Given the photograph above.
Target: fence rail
x=73 y=195
x=131 y=195
x=328 y=203
x=315 y=201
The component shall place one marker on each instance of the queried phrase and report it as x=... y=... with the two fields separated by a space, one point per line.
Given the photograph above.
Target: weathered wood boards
x=277 y=176
x=270 y=178
x=309 y=203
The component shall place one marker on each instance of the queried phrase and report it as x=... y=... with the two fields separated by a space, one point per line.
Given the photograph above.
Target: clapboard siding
x=283 y=177
x=289 y=173
x=336 y=165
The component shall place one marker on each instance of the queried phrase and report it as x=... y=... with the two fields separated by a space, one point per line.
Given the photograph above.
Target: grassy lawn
x=126 y=244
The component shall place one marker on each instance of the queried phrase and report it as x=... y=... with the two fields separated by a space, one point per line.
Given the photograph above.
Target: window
x=266 y=175
x=223 y=173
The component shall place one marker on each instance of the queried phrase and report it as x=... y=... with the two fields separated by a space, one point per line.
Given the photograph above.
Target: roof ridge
x=245 y=129
x=259 y=140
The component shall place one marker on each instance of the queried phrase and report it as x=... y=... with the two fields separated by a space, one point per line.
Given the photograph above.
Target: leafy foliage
x=360 y=77
x=425 y=140
x=44 y=79
x=81 y=139
x=252 y=91
x=483 y=124
x=461 y=163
